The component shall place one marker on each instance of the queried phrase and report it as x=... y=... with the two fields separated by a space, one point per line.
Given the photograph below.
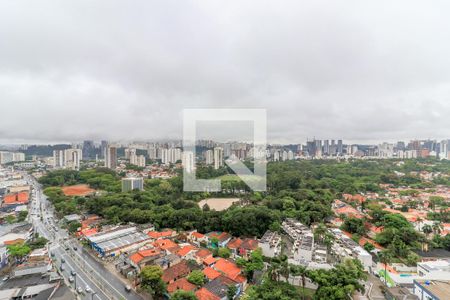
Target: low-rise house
x=197 y=238
x=220 y=286
x=181 y=284
x=168 y=260
x=156 y=235
x=168 y=245
x=202 y=255
x=230 y=270
x=175 y=272
x=187 y=252
x=242 y=247
x=204 y=294
x=210 y=273
x=222 y=238
x=145 y=257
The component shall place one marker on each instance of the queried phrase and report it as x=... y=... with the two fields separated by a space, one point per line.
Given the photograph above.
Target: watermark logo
x=255 y=180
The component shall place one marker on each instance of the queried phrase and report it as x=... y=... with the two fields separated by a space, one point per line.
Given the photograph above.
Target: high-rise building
x=111 y=157
x=129 y=152
x=137 y=160
x=89 y=150
x=103 y=146
x=165 y=156
x=7 y=157
x=218 y=157
x=340 y=147
x=209 y=157
x=132 y=183
x=58 y=158
x=326 y=147
x=188 y=161
x=72 y=158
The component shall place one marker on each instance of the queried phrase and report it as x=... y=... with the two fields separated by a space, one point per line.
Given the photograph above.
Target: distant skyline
x=364 y=72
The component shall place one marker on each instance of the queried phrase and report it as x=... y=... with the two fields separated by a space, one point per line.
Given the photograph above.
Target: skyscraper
x=340 y=148
x=209 y=157
x=188 y=161
x=218 y=157
x=111 y=157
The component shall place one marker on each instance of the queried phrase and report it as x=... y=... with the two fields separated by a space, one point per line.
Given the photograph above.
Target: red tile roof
x=234 y=243
x=17 y=198
x=227 y=267
x=158 y=235
x=176 y=271
x=180 y=284
x=203 y=253
x=185 y=250
x=198 y=235
x=204 y=294
x=210 y=273
x=209 y=260
x=140 y=255
x=165 y=244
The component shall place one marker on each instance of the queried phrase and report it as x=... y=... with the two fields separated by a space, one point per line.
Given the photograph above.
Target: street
x=95 y=281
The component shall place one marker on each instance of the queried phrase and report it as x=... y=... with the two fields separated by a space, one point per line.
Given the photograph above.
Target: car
x=79 y=290
x=5 y=278
x=52 y=254
x=62 y=268
x=67 y=248
x=88 y=289
x=128 y=288
x=73 y=273
x=63 y=260
x=71 y=279
x=75 y=248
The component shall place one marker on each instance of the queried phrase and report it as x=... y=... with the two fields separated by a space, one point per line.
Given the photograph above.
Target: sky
x=125 y=70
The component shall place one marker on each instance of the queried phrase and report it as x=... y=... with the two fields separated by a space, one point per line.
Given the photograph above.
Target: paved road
x=89 y=272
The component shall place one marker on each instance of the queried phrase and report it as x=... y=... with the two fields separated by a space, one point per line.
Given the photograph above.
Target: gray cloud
x=71 y=70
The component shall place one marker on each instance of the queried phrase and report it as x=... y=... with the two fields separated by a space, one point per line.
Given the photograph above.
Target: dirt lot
x=218 y=203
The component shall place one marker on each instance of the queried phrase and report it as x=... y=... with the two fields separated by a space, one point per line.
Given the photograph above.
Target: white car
x=88 y=289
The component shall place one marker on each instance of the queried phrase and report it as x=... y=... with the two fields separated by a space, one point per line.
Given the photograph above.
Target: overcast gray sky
x=73 y=70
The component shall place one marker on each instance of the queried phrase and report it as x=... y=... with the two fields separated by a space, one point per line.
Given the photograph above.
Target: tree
x=152 y=281
x=22 y=216
x=224 y=252
x=183 y=295
x=369 y=247
x=385 y=257
x=320 y=231
x=354 y=225
x=10 y=219
x=300 y=271
x=73 y=227
x=427 y=229
x=18 y=251
x=339 y=282
x=196 y=277
x=231 y=292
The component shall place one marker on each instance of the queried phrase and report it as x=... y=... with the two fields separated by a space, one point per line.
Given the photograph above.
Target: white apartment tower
x=218 y=157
